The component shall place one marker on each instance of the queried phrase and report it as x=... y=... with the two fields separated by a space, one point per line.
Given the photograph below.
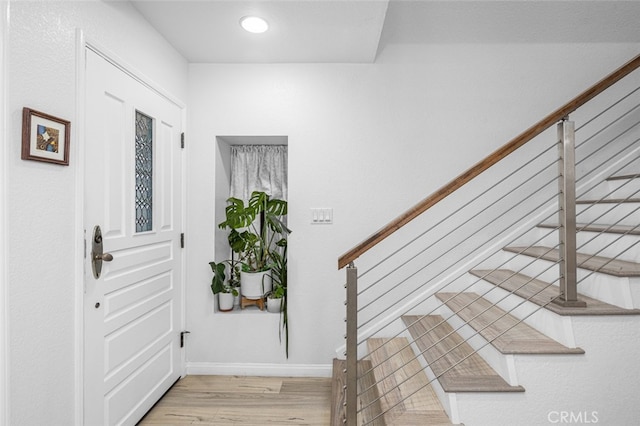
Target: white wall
x=43 y=203
x=4 y=362
x=367 y=140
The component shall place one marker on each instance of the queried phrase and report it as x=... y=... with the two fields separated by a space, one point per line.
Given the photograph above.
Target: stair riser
x=623 y=214
x=536 y=268
x=616 y=291
x=621 y=188
x=623 y=247
x=610 y=289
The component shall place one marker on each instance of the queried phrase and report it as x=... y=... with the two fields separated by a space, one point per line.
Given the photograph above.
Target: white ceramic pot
x=274 y=305
x=225 y=302
x=254 y=285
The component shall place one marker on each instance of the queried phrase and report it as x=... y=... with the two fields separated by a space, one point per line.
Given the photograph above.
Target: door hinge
x=182 y=140
x=182 y=333
x=182 y=240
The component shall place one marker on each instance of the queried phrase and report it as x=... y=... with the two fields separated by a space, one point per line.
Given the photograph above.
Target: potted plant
x=256 y=230
x=277 y=299
x=226 y=290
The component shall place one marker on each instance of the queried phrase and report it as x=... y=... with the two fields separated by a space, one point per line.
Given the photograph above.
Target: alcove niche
x=222 y=187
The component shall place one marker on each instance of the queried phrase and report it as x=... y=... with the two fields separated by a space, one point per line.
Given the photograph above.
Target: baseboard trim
x=255 y=369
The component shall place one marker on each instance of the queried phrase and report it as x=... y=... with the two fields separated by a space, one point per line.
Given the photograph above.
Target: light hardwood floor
x=233 y=400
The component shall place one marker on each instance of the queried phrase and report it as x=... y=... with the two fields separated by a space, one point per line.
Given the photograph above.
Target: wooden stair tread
x=338 y=380
x=605 y=265
x=455 y=364
x=404 y=389
x=504 y=331
x=609 y=201
x=622 y=177
x=369 y=398
x=607 y=229
x=541 y=292
x=368 y=401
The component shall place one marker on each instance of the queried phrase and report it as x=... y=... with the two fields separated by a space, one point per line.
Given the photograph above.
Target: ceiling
x=208 y=31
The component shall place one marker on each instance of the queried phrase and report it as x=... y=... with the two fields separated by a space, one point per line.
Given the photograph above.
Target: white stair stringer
x=601 y=384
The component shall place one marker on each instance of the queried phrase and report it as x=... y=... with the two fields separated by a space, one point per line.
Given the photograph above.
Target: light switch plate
x=321 y=216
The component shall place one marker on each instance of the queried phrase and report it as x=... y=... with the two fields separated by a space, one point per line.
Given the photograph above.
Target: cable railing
x=487 y=220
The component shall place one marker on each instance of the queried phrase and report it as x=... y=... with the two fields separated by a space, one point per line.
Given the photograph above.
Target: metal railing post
x=351 y=387
x=567 y=207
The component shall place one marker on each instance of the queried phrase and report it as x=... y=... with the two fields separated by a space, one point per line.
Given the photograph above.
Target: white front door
x=133 y=310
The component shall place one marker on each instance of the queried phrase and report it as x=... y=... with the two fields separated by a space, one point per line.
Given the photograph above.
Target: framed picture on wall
x=45 y=137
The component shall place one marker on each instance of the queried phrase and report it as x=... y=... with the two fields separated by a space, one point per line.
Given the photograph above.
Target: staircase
x=474 y=328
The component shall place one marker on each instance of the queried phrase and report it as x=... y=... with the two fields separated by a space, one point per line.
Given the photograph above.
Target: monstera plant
x=256 y=228
x=256 y=231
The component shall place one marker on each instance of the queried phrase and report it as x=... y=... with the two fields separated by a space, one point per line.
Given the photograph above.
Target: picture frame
x=45 y=137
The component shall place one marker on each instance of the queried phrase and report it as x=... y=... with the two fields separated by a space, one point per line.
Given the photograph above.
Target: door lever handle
x=105 y=257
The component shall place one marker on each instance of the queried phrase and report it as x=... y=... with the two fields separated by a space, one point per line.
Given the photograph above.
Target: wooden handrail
x=489 y=161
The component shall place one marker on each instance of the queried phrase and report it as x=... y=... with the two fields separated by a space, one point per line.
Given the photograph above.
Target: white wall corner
x=4 y=316
x=78 y=153
x=454 y=413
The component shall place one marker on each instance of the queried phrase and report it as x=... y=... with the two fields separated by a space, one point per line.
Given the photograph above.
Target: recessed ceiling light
x=254 y=24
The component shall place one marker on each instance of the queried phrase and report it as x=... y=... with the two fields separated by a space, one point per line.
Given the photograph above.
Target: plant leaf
x=217 y=282
x=237 y=215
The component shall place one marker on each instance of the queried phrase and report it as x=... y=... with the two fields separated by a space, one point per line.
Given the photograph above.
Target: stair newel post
x=567 y=213
x=351 y=387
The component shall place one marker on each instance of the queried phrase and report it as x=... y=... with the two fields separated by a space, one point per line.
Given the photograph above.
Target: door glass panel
x=144 y=173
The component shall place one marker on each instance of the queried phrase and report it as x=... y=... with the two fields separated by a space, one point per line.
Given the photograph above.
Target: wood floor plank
x=452 y=360
x=541 y=292
x=605 y=265
x=504 y=331
x=230 y=384
x=232 y=400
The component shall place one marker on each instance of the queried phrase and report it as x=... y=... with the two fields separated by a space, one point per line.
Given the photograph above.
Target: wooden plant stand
x=252 y=302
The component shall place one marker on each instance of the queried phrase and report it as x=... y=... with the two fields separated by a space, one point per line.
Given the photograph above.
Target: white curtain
x=258 y=168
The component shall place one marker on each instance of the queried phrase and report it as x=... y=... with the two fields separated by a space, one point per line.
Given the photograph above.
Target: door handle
x=97 y=256
x=105 y=257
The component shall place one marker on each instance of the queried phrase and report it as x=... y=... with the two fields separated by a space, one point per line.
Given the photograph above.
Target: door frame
x=4 y=133
x=83 y=44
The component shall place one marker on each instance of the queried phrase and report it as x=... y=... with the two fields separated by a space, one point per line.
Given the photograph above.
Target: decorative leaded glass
x=144 y=173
